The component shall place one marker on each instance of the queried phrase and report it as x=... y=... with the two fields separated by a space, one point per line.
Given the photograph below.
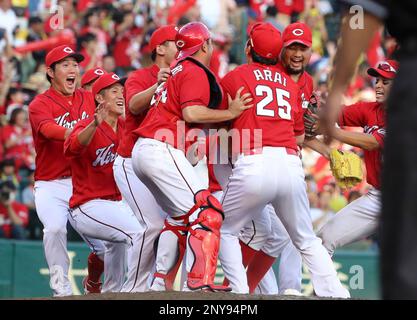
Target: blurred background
x=114 y=35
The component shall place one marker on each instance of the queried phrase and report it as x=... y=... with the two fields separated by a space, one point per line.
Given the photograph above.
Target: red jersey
x=187 y=86
x=305 y=84
x=52 y=107
x=92 y=165
x=371 y=117
x=5 y=222
x=138 y=81
x=275 y=105
x=23 y=143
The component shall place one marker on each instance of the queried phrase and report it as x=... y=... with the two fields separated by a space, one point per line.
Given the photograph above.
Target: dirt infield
x=175 y=295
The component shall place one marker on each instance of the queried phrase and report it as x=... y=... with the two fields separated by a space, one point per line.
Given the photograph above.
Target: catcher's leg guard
x=204 y=242
x=170 y=236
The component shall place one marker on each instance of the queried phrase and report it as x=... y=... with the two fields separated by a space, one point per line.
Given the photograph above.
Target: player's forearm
x=202 y=114
x=355 y=41
x=357 y=139
x=300 y=139
x=318 y=146
x=86 y=135
x=54 y=132
x=141 y=100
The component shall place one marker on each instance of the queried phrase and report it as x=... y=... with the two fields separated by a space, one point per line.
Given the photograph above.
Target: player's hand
x=240 y=103
x=163 y=75
x=102 y=111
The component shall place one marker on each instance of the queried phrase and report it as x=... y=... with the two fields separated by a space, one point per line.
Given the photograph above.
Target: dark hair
x=14 y=115
x=90 y=13
x=153 y=55
x=34 y=19
x=87 y=37
x=271 y=11
x=8 y=162
x=47 y=75
x=257 y=58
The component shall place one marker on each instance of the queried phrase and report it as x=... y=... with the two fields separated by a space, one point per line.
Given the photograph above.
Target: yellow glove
x=346 y=168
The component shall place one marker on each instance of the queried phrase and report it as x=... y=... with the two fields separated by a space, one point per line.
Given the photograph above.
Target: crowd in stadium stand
x=114 y=35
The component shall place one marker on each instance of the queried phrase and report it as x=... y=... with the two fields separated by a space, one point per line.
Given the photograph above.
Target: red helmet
x=190 y=38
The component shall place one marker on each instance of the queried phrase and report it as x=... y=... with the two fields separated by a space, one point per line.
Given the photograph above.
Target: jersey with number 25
x=275 y=104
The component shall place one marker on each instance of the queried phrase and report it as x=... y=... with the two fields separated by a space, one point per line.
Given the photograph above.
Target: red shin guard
x=204 y=242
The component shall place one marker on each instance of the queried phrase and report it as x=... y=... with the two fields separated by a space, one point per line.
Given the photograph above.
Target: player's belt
x=289 y=151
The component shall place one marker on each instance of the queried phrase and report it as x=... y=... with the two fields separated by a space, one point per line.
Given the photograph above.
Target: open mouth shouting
x=70 y=81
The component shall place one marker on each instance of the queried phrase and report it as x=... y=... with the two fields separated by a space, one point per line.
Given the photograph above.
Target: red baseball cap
x=190 y=38
x=386 y=69
x=105 y=81
x=265 y=40
x=91 y=75
x=297 y=32
x=60 y=53
x=162 y=34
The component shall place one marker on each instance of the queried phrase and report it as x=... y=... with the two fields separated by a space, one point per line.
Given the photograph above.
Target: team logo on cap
x=99 y=72
x=68 y=50
x=297 y=32
x=180 y=43
x=115 y=77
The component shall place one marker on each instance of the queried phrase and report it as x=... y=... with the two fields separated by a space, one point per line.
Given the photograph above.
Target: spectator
x=109 y=65
x=14 y=216
x=18 y=141
x=15 y=100
x=90 y=50
x=271 y=17
x=324 y=212
x=8 y=21
x=36 y=32
x=92 y=24
x=8 y=172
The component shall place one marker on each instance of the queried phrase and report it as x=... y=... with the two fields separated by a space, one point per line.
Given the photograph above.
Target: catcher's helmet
x=190 y=38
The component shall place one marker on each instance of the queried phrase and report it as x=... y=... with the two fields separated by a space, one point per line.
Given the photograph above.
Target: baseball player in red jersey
x=52 y=116
x=89 y=77
x=272 y=172
x=96 y=206
x=295 y=56
x=359 y=219
x=139 y=88
x=190 y=96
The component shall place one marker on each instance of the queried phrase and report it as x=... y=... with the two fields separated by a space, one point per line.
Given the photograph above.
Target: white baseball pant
x=52 y=206
x=275 y=177
x=267 y=233
x=147 y=211
x=115 y=223
x=354 y=222
x=173 y=182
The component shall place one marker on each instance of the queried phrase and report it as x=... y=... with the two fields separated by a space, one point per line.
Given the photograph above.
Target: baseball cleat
x=292 y=292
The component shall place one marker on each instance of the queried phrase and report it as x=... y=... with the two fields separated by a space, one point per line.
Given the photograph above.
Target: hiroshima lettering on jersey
x=63 y=120
x=105 y=156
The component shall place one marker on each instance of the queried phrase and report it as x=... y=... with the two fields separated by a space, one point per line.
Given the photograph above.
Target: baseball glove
x=310 y=116
x=346 y=168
